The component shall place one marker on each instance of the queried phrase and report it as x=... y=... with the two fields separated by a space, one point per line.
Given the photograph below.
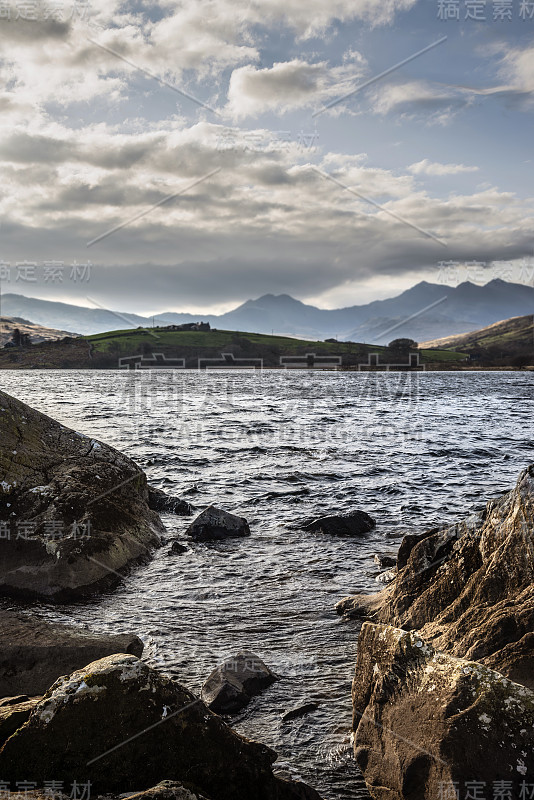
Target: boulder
x=163 y=503
x=122 y=726
x=235 y=682
x=213 y=523
x=177 y=548
x=300 y=711
x=34 y=653
x=167 y=790
x=74 y=512
x=450 y=669
x=428 y=724
x=384 y=561
x=355 y=523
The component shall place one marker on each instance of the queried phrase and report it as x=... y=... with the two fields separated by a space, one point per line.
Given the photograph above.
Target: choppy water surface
x=413 y=450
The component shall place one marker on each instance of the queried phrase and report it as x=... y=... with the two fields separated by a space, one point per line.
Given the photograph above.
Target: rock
x=384 y=561
x=167 y=790
x=469 y=588
x=35 y=653
x=14 y=711
x=122 y=726
x=386 y=577
x=214 y=523
x=426 y=722
x=177 y=548
x=355 y=523
x=233 y=684
x=74 y=512
x=468 y=591
x=161 y=502
x=299 y=711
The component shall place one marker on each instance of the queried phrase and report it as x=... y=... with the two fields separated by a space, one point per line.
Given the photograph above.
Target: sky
x=195 y=154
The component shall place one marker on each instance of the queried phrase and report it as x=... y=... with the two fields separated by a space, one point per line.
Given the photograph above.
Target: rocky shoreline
x=443 y=694
x=80 y=709
x=443 y=691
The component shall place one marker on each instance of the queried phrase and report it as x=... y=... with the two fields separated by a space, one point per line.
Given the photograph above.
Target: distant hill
x=509 y=340
x=426 y=311
x=213 y=349
x=37 y=333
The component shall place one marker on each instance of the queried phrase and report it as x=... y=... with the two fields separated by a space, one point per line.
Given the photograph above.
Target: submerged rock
x=34 y=653
x=299 y=711
x=426 y=723
x=164 y=503
x=233 y=684
x=122 y=726
x=214 y=523
x=354 y=523
x=74 y=512
x=177 y=548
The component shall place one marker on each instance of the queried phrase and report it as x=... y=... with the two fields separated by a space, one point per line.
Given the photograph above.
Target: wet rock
x=74 y=512
x=213 y=523
x=34 y=653
x=299 y=711
x=354 y=523
x=123 y=726
x=177 y=549
x=14 y=711
x=235 y=682
x=383 y=561
x=163 y=503
x=426 y=722
x=386 y=577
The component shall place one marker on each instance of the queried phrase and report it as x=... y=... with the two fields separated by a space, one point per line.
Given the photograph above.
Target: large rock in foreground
x=232 y=685
x=427 y=724
x=74 y=512
x=124 y=727
x=213 y=523
x=430 y=716
x=469 y=587
x=35 y=653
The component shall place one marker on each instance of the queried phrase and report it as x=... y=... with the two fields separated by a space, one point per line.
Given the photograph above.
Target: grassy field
x=128 y=342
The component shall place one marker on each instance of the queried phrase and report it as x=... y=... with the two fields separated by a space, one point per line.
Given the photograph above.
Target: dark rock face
x=123 y=726
x=426 y=722
x=73 y=511
x=468 y=591
x=161 y=502
x=354 y=524
x=214 y=523
x=34 y=653
x=233 y=684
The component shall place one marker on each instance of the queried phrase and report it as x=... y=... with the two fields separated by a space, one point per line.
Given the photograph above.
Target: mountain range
x=423 y=312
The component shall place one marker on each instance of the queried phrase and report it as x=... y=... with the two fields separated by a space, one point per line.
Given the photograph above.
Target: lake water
x=412 y=449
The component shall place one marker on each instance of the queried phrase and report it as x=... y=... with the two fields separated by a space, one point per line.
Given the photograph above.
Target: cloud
x=426 y=167
x=287 y=86
x=264 y=220
x=435 y=103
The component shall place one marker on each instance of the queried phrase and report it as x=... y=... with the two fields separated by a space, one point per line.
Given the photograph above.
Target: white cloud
x=426 y=167
x=287 y=86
